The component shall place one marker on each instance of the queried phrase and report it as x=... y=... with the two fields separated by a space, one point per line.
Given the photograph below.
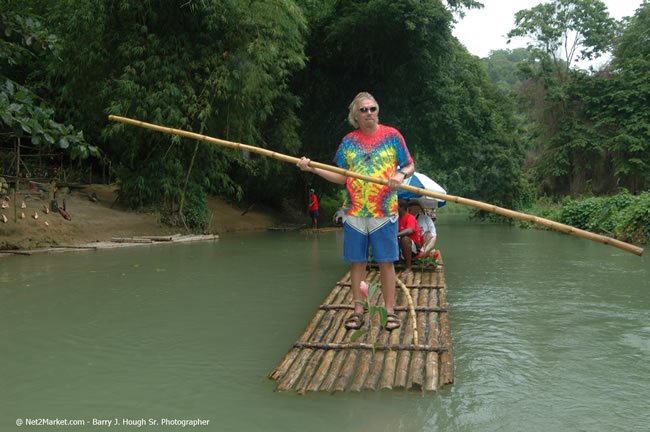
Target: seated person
x=338 y=216
x=427 y=227
x=408 y=235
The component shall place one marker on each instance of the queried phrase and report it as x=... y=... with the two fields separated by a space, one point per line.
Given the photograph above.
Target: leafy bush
x=328 y=206
x=633 y=221
x=159 y=186
x=581 y=214
x=623 y=216
x=196 y=210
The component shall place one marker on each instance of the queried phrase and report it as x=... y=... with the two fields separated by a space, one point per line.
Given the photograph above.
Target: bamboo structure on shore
x=324 y=359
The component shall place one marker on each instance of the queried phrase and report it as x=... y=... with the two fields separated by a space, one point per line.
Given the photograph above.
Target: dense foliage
x=215 y=67
x=502 y=67
x=26 y=47
x=592 y=128
x=623 y=216
x=280 y=74
x=458 y=126
x=622 y=116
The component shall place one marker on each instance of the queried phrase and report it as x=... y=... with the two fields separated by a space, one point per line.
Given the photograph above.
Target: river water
x=550 y=332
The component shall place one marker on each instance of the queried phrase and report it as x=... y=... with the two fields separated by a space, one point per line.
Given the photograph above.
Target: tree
x=25 y=47
x=501 y=66
x=566 y=30
x=622 y=114
x=216 y=67
x=561 y=32
x=458 y=127
x=241 y=78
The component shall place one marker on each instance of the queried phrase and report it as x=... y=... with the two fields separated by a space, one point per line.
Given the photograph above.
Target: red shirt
x=313 y=202
x=409 y=221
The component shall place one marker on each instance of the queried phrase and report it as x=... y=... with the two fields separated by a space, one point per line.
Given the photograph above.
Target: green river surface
x=550 y=333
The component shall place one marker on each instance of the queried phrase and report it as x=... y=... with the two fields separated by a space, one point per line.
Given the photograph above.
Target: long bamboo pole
x=460 y=200
x=411 y=309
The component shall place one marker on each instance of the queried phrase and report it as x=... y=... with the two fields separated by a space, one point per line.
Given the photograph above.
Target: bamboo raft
x=324 y=358
x=286 y=227
x=116 y=242
x=320 y=230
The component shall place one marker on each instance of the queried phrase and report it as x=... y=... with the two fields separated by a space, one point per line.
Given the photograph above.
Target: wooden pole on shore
x=17 y=185
x=460 y=200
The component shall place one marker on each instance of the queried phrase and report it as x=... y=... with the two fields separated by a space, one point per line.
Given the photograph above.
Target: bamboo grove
x=279 y=74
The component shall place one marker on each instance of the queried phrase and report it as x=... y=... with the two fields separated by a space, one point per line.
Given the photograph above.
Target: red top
x=313 y=202
x=409 y=221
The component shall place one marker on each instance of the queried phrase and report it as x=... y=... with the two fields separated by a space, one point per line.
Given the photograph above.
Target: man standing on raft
x=370 y=209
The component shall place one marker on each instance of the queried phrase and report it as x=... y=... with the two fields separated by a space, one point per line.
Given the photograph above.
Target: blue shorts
x=359 y=236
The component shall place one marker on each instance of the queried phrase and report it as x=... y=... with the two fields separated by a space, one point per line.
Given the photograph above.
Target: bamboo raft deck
x=295 y=227
x=324 y=358
x=116 y=242
x=320 y=230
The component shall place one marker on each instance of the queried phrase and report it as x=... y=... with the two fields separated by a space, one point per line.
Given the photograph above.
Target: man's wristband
x=404 y=174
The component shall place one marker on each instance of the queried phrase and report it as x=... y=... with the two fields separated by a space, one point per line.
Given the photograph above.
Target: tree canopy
x=459 y=129
x=220 y=68
x=579 y=113
x=280 y=74
x=567 y=30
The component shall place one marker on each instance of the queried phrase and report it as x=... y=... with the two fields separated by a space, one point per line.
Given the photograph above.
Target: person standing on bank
x=370 y=209
x=313 y=208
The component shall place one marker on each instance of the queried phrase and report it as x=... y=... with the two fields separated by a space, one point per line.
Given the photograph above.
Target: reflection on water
x=550 y=332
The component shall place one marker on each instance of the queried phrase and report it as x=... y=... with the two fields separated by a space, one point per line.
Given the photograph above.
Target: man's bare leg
x=358 y=274
x=405 y=245
x=387 y=272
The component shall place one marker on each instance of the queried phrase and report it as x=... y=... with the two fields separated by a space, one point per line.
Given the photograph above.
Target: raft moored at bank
x=320 y=230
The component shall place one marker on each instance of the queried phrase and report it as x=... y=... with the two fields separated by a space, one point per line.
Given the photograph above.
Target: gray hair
x=354 y=107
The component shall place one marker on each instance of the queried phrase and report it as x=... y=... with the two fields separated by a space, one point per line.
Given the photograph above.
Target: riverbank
x=97 y=217
x=623 y=216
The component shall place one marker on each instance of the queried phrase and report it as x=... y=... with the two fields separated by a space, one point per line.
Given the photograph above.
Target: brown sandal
x=354 y=321
x=392 y=322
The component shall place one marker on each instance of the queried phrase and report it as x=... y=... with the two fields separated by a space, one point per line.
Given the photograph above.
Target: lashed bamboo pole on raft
x=411 y=308
x=431 y=362
x=460 y=200
x=404 y=357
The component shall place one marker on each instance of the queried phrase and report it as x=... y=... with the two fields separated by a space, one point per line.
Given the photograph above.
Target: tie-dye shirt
x=376 y=155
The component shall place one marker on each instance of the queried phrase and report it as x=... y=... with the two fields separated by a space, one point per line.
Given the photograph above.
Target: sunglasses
x=365 y=110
